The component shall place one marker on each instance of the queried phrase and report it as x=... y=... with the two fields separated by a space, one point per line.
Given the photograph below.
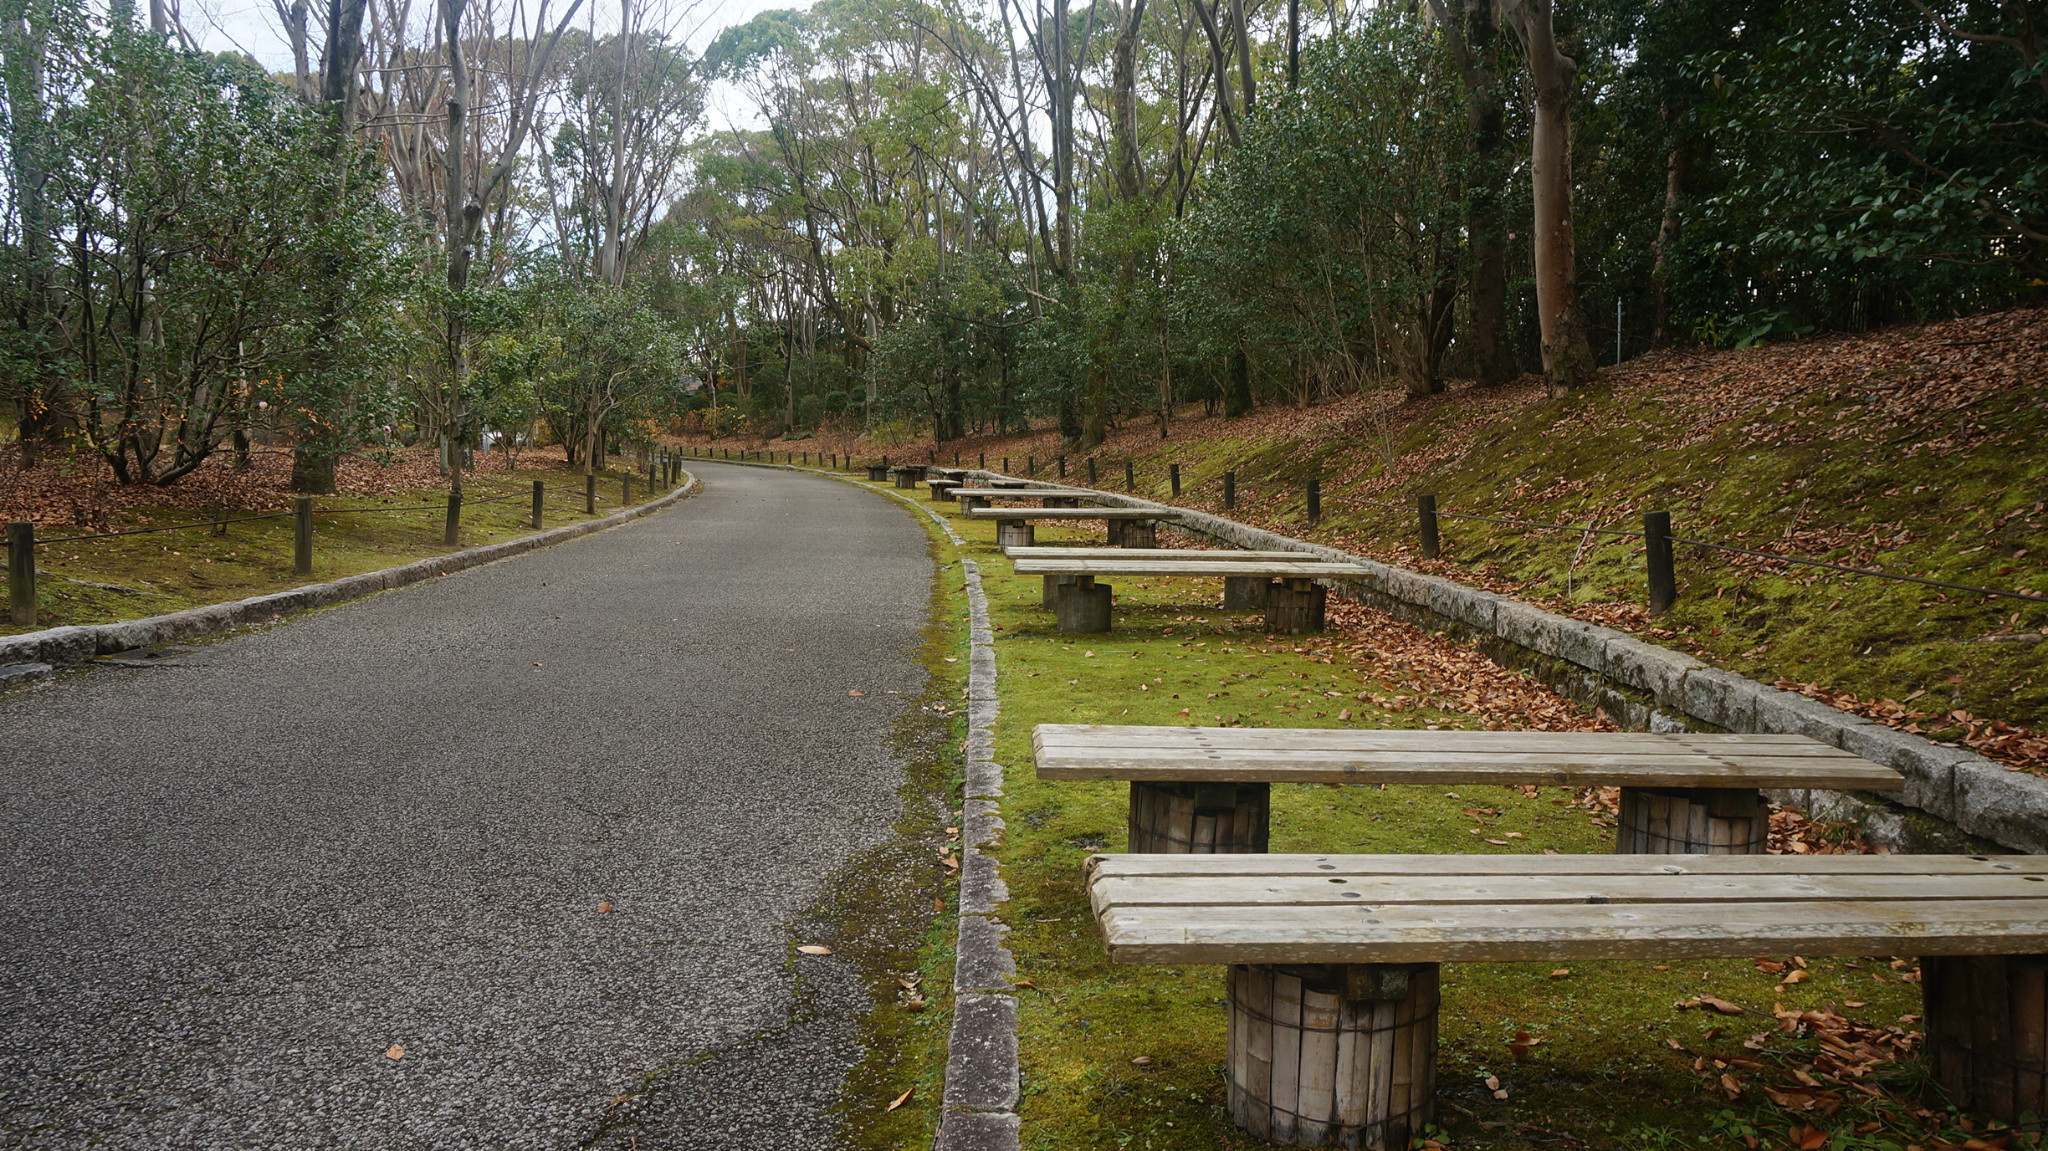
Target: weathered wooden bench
x=942 y=488
x=1240 y=593
x=1294 y=602
x=1013 y=524
x=972 y=498
x=906 y=476
x=1333 y=959
x=1207 y=789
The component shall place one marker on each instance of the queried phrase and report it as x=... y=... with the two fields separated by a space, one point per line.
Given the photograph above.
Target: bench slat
x=1071 y=514
x=1305 y=569
x=1429 y=909
x=1450 y=758
x=1190 y=555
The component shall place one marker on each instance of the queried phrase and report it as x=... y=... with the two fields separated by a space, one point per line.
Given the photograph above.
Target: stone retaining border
x=1646 y=687
x=983 y=1076
x=61 y=646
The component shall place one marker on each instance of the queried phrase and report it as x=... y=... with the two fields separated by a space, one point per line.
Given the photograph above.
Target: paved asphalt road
x=232 y=884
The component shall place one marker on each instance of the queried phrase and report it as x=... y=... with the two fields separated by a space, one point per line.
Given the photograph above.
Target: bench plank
x=1436 y=758
x=1188 y=554
x=1071 y=513
x=1301 y=569
x=1689 y=907
x=1023 y=493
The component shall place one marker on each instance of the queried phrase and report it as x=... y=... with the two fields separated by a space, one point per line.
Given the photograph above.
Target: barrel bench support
x=1245 y=593
x=906 y=479
x=877 y=473
x=1692 y=821
x=1135 y=534
x=1333 y=1055
x=1987 y=1031
x=1082 y=606
x=1199 y=818
x=942 y=490
x=1016 y=534
x=1295 y=606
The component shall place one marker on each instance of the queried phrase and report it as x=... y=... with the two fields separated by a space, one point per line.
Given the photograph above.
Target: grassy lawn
x=1614 y=1064
x=92 y=581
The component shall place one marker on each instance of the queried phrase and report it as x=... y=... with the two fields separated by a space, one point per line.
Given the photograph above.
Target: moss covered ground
x=1131 y=1057
x=93 y=580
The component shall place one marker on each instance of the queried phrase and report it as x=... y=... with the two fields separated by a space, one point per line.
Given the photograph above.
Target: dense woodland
x=482 y=224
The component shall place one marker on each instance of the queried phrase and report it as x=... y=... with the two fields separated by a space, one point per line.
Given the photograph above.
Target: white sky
x=252 y=26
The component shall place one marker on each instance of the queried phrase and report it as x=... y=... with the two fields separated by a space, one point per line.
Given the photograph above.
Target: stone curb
x=60 y=646
x=983 y=1077
x=1649 y=687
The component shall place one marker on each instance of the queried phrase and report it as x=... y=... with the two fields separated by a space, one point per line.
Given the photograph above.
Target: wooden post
x=1030 y=465
x=1006 y=465
x=1091 y=471
x=1295 y=606
x=1315 y=500
x=1425 y=514
x=451 y=527
x=626 y=490
x=1691 y=821
x=1173 y=475
x=537 y=492
x=1338 y=1054
x=302 y=535
x=956 y=459
x=1198 y=818
x=1083 y=606
x=1063 y=467
x=983 y=465
x=1130 y=477
x=1229 y=490
x=21 y=573
x=590 y=493
x=1657 y=553
x=1987 y=1031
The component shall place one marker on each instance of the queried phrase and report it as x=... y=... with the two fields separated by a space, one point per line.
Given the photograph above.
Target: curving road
x=232 y=884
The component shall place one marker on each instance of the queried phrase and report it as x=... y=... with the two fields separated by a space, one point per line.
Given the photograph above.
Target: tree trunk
x=1474 y=33
x=1676 y=169
x=1567 y=355
x=1237 y=401
x=312 y=473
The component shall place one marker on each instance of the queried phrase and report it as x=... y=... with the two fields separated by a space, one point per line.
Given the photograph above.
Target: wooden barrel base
x=1199 y=818
x=942 y=490
x=906 y=480
x=1050 y=598
x=1061 y=502
x=1692 y=821
x=877 y=473
x=1244 y=593
x=1987 y=1031
x=969 y=503
x=1083 y=607
x=1015 y=534
x=1133 y=534
x=1295 y=606
x=1333 y=1056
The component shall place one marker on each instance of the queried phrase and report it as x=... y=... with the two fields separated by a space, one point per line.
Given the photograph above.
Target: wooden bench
x=942 y=488
x=1294 y=602
x=1240 y=593
x=906 y=476
x=1333 y=984
x=972 y=498
x=1207 y=789
x=1013 y=525
x=877 y=473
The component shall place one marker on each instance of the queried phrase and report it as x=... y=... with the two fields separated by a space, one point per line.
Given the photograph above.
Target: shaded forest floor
x=391 y=512
x=1913 y=450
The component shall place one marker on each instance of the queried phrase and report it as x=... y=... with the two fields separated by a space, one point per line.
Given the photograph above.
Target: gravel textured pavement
x=233 y=883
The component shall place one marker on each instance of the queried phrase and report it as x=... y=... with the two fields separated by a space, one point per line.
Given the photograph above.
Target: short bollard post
x=1091 y=471
x=1173 y=476
x=537 y=492
x=1030 y=465
x=1063 y=467
x=1315 y=500
x=626 y=490
x=302 y=535
x=1425 y=514
x=1229 y=490
x=590 y=493
x=1006 y=465
x=983 y=465
x=1130 y=477
x=1657 y=551
x=956 y=459
x=451 y=528
x=21 y=573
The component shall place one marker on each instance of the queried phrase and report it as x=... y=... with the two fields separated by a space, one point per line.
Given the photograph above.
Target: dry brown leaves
x=78 y=489
x=2017 y=748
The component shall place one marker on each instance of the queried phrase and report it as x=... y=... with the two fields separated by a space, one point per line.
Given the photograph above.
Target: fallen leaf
x=395 y=1051
x=1344 y=715
x=1142 y=1061
x=1561 y=973
x=856 y=693
x=1731 y=1086
x=814 y=949
x=952 y=659
x=900 y=1100
x=604 y=907
x=1798 y=976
